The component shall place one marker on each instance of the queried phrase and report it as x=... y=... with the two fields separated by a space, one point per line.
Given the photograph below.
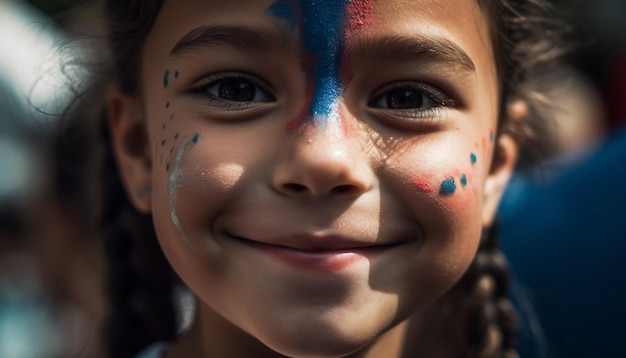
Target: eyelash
x=203 y=89
x=427 y=92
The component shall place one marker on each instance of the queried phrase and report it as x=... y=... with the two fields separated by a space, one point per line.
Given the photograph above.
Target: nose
x=323 y=161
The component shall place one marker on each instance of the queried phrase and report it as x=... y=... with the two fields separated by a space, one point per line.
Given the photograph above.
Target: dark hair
x=140 y=281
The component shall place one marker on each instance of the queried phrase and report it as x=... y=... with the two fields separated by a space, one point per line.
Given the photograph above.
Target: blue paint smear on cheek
x=322 y=30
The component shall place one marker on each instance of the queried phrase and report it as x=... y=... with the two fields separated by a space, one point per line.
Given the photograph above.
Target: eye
x=409 y=97
x=227 y=89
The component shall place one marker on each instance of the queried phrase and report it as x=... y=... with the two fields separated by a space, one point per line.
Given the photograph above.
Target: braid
x=491 y=317
x=139 y=281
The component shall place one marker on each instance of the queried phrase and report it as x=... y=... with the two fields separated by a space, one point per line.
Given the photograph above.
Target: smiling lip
x=326 y=260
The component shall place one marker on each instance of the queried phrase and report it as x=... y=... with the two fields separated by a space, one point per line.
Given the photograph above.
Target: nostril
x=295 y=187
x=343 y=188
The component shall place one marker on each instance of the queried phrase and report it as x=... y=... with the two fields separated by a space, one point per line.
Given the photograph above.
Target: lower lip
x=325 y=261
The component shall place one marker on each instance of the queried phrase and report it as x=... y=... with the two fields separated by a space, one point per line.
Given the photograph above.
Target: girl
x=318 y=173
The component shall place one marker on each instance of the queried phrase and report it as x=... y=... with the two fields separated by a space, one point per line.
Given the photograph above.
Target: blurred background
x=561 y=223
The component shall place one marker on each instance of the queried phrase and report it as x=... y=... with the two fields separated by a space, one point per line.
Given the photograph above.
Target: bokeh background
x=562 y=224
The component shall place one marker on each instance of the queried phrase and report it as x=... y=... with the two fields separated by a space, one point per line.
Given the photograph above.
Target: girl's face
x=318 y=171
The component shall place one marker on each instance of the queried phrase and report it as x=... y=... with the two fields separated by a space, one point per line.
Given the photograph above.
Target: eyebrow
x=238 y=37
x=411 y=48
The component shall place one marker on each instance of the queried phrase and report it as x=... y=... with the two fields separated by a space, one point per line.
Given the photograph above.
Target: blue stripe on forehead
x=322 y=26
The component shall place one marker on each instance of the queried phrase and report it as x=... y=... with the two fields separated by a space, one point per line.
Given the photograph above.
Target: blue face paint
x=166 y=81
x=322 y=28
x=448 y=187
x=167 y=105
x=195 y=138
x=463 y=179
x=473 y=158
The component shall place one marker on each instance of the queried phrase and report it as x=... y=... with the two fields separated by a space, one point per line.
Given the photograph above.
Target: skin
x=224 y=178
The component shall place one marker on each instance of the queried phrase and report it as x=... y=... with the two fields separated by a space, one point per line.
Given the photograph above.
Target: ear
x=503 y=163
x=130 y=146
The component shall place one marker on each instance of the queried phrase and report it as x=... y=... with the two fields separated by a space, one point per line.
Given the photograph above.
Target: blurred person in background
x=561 y=223
x=49 y=273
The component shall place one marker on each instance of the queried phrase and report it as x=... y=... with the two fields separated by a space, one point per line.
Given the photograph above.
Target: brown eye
x=236 y=89
x=404 y=99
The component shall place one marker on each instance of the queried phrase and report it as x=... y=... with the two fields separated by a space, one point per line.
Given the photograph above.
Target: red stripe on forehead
x=359 y=14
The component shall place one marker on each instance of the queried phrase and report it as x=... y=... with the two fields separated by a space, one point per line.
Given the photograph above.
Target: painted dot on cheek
x=171 y=116
x=163 y=142
x=176 y=73
x=195 y=138
x=464 y=180
x=163 y=126
x=474 y=158
x=448 y=187
x=176 y=136
x=166 y=80
x=167 y=104
x=167 y=167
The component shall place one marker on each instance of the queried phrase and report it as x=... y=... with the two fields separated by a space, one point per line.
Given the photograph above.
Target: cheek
x=442 y=191
x=191 y=187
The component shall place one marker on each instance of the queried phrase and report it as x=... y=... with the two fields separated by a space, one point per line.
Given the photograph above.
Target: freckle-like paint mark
x=166 y=78
x=163 y=142
x=176 y=73
x=171 y=116
x=448 y=187
x=423 y=185
x=167 y=167
x=463 y=179
x=171 y=150
x=176 y=136
x=473 y=158
x=195 y=138
x=163 y=126
x=167 y=104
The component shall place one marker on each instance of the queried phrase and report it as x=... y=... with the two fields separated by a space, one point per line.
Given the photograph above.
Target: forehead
x=460 y=21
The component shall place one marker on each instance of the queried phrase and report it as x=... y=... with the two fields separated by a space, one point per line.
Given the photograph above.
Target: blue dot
x=176 y=136
x=163 y=142
x=176 y=74
x=166 y=79
x=195 y=138
x=463 y=179
x=448 y=187
x=167 y=167
x=474 y=158
x=167 y=105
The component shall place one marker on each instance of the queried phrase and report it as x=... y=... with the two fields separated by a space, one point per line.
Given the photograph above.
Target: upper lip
x=317 y=242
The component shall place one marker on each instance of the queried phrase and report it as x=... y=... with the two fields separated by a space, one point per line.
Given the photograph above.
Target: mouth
x=328 y=254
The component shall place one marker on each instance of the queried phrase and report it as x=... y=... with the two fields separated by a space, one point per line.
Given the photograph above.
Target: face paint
x=166 y=80
x=473 y=158
x=448 y=187
x=174 y=182
x=324 y=26
x=422 y=184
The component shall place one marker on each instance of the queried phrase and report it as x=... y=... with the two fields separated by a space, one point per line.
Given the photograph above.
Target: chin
x=315 y=342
